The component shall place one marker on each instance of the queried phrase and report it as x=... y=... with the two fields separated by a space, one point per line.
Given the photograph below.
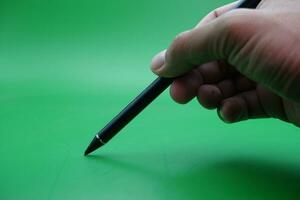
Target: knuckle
x=181 y=37
x=179 y=45
x=239 y=23
x=233 y=24
x=215 y=13
x=237 y=28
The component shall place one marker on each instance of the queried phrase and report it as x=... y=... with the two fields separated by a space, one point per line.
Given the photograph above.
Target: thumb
x=220 y=39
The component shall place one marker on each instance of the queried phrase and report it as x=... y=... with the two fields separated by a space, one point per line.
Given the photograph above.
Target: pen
x=141 y=102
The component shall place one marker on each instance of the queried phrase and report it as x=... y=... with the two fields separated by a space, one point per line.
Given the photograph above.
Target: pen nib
x=95 y=144
x=87 y=152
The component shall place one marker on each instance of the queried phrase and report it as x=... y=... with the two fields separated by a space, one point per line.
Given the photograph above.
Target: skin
x=244 y=63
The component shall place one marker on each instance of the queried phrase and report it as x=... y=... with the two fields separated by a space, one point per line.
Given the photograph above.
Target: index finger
x=216 y=13
x=159 y=59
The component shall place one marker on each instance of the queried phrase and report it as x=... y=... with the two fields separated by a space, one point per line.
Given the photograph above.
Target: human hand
x=244 y=62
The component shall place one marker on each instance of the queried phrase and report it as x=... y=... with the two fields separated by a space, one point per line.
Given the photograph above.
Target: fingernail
x=222 y=115
x=158 y=61
x=233 y=113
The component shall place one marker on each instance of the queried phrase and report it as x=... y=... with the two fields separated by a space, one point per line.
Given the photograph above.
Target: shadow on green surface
x=240 y=179
x=234 y=179
x=127 y=166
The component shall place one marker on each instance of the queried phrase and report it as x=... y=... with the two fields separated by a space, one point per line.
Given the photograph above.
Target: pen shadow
x=235 y=179
x=125 y=165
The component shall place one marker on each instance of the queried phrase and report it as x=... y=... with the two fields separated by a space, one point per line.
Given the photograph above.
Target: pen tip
x=88 y=150
x=86 y=153
x=95 y=144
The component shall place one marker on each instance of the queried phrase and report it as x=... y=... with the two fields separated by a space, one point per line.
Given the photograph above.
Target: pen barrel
x=248 y=4
x=134 y=108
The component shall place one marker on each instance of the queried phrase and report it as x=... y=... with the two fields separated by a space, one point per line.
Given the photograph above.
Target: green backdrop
x=68 y=66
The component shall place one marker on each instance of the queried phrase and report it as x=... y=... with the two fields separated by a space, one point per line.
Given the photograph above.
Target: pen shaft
x=248 y=4
x=134 y=108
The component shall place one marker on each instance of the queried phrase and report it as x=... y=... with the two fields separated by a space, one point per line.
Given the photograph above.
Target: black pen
x=141 y=102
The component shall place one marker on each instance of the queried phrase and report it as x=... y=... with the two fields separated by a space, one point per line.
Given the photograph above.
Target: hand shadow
x=240 y=179
x=234 y=179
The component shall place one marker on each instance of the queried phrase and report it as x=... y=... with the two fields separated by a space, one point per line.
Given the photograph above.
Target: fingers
x=195 y=83
x=218 y=40
x=241 y=99
x=244 y=84
x=185 y=88
x=217 y=13
x=272 y=103
x=246 y=105
x=210 y=96
x=216 y=71
x=159 y=59
x=236 y=100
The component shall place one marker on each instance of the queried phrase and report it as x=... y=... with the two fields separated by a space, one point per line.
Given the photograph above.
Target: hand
x=244 y=62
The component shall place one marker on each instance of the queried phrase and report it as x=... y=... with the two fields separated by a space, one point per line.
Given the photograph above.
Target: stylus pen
x=141 y=102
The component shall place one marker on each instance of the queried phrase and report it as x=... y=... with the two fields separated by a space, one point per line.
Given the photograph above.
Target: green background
x=68 y=66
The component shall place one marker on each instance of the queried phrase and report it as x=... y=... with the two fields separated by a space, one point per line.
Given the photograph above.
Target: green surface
x=67 y=67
